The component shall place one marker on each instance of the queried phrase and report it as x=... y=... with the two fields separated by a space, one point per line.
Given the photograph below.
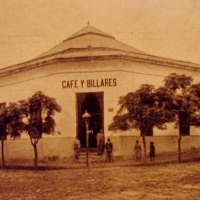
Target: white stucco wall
x=129 y=75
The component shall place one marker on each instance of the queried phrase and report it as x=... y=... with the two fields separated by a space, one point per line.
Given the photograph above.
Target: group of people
x=138 y=151
x=109 y=147
x=101 y=145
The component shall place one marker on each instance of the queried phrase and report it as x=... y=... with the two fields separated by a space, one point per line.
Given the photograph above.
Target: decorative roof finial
x=88 y=23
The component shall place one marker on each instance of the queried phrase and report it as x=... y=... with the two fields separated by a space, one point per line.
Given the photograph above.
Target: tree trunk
x=2 y=153
x=36 y=156
x=34 y=143
x=179 y=148
x=144 y=145
x=179 y=140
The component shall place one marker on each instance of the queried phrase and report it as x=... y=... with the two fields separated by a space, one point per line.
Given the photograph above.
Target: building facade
x=89 y=70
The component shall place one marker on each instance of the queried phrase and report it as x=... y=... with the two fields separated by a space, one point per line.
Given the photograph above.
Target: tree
x=10 y=124
x=185 y=104
x=142 y=110
x=39 y=111
x=3 y=134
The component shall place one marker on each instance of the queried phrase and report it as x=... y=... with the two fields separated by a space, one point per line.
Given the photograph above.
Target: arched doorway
x=93 y=103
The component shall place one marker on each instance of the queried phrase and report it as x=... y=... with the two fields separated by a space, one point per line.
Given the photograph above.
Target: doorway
x=92 y=102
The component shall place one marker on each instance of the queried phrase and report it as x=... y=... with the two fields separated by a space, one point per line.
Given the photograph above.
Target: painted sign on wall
x=89 y=83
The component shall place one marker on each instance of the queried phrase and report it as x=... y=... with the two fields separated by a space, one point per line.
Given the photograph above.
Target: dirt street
x=165 y=182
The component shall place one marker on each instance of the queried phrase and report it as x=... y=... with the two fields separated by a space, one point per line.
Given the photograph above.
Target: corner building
x=90 y=70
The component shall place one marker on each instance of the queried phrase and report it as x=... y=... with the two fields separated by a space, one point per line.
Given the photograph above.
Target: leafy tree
x=185 y=104
x=142 y=110
x=10 y=124
x=39 y=111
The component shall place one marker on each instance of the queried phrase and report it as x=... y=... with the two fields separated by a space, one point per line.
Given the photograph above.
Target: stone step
x=92 y=150
x=94 y=158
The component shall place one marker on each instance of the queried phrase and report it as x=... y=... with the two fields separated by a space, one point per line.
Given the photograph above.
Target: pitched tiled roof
x=90 y=37
x=90 y=43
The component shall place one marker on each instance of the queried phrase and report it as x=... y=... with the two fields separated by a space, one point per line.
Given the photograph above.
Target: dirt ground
x=156 y=181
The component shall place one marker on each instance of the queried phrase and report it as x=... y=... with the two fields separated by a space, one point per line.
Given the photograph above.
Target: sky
x=165 y=28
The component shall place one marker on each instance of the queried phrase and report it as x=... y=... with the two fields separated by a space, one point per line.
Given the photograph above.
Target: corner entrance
x=92 y=102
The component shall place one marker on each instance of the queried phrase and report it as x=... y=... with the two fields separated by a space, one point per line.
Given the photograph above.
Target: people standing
x=100 y=142
x=77 y=146
x=109 y=148
x=152 y=152
x=138 y=151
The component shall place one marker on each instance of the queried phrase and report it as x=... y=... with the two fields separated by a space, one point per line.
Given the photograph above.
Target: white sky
x=166 y=28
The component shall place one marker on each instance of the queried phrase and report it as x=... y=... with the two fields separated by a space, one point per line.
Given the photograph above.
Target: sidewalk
x=70 y=165
x=100 y=162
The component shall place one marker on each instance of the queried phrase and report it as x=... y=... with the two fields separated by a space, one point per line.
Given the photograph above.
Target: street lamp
x=86 y=117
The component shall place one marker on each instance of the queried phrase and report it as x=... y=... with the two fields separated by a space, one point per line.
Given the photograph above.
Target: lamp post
x=86 y=117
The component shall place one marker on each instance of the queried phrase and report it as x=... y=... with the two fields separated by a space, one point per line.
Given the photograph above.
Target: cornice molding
x=142 y=58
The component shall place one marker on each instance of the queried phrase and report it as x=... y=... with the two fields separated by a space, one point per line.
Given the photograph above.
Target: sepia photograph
x=100 y=100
